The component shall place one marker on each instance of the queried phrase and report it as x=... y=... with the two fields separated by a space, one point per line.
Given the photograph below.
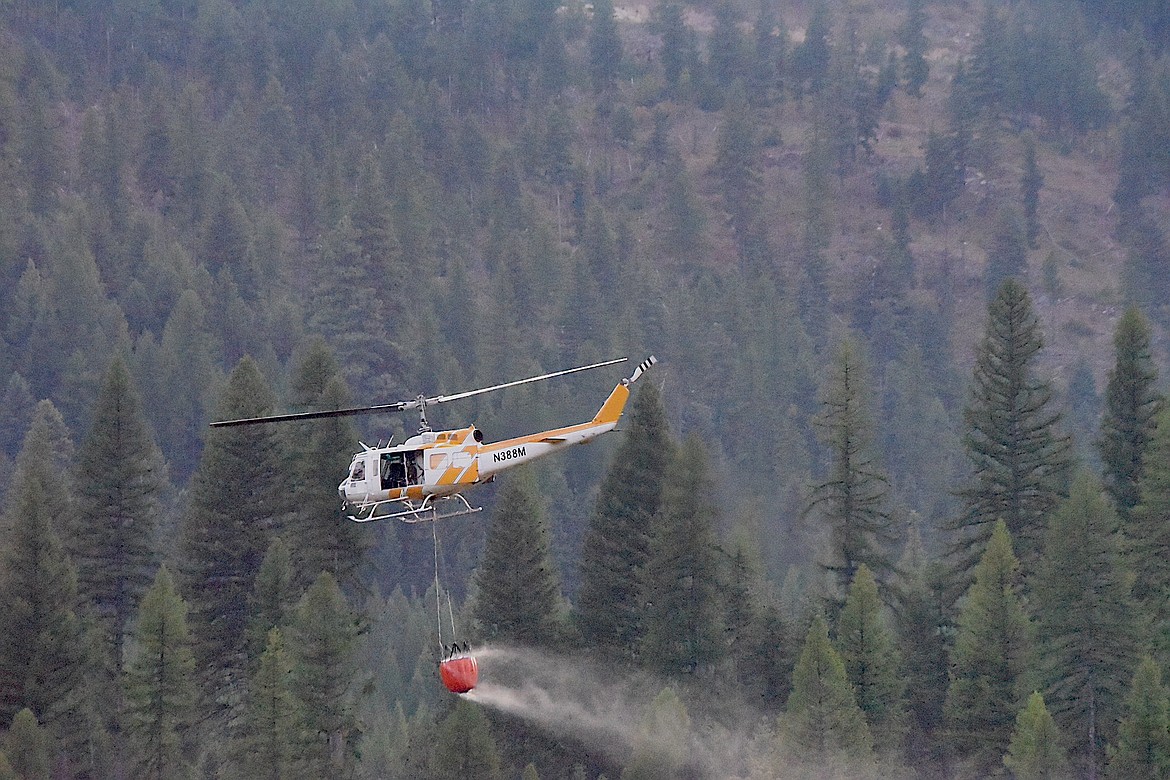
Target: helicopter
x=414 y=481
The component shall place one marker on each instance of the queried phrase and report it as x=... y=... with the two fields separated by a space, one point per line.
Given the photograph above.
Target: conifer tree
x=1143 y=737
x=324 y=638
x=1018 y=457
x=42 y=661
x=324 y=540
x=989 y=659
x=872 y=663
x=1132 y=402
x=119 y=484
x=737 y=166
x=1088 y=631
x=1035 y=751
x=682 y=590
x=273 y=598
x=6 y=770
x=663 y=740
x=464 y=745
x=822 y=723
x=923 y=626
x=272 y=742
x=605 y=47
x=1149 y=536
x=238 y=498
x=519 y=598
x=617 y=542
x=28 y=747
x=160 y=687
x=915 y=69
x=852 y=499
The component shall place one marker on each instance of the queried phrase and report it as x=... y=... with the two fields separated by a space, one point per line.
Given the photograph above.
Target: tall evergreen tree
x=324 y=637
x=923 y=625
x=1143 y=737
x=1018 y=456
x=1035 y=751
x=822 y=724
x=1149 y=536
x=915 y=68
x=238 y=498
x=617 y=543
x=989 y=660
x=464 y=745
x=519 y=598
x=682 y=589
x=324 y=539
x=160 y=685
x=852 y=499
x=42 y=655
x=872 y=663
x=1088 y=630
x=663 y=740
x=1132 y=402
x=273 y=598
x=271 y=742
x=737 y=165
x=605 y=47
x=119 y=481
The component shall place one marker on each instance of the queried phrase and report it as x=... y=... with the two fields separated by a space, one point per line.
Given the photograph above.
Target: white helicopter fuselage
x=437 y=464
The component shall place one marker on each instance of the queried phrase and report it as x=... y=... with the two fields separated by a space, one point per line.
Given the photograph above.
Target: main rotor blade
x=439 y=399
x=397 y=406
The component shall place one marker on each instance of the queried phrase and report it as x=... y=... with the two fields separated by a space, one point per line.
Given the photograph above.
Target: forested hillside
x=893 y=503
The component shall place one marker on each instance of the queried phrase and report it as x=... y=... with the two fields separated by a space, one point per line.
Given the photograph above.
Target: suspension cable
x=438 y=591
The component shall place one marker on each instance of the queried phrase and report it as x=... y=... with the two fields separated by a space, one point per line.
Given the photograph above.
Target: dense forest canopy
x=904 y=266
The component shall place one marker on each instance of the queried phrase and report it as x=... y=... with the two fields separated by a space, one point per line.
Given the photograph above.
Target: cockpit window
x=359 y=471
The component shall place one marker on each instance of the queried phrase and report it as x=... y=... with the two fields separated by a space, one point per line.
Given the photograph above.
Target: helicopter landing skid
x=426 y=511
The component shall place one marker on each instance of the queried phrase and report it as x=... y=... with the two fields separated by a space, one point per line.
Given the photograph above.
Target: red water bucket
x=459 y=674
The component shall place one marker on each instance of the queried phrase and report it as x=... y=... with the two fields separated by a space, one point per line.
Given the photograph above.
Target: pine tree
x=682 y=627
x=1018 y=456
x=617 y=543
x=119 y=480
x=737 y=166
x=28 y=747
x=605 y=47
x=464 y=746
x=1088 y=631
x=519 y=597
x=1143 y=737
x=160 y=685
x=822 y=723
x=872 y=663
x=810 y=60
x=1131 y=406
x=852 y=499
x=923 y=625
x=323 y=643
x=273 y=598
x=1035 y=751
x=914 y=66
x=42 y=661
x=1149 y=536
x=324 y=539
x=271 y=742
x=238 y=499
x=990 y=658
x=663 y=741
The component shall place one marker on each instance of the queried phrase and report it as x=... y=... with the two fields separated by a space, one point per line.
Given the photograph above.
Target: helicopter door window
x=398 y=470
x=359 y=471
